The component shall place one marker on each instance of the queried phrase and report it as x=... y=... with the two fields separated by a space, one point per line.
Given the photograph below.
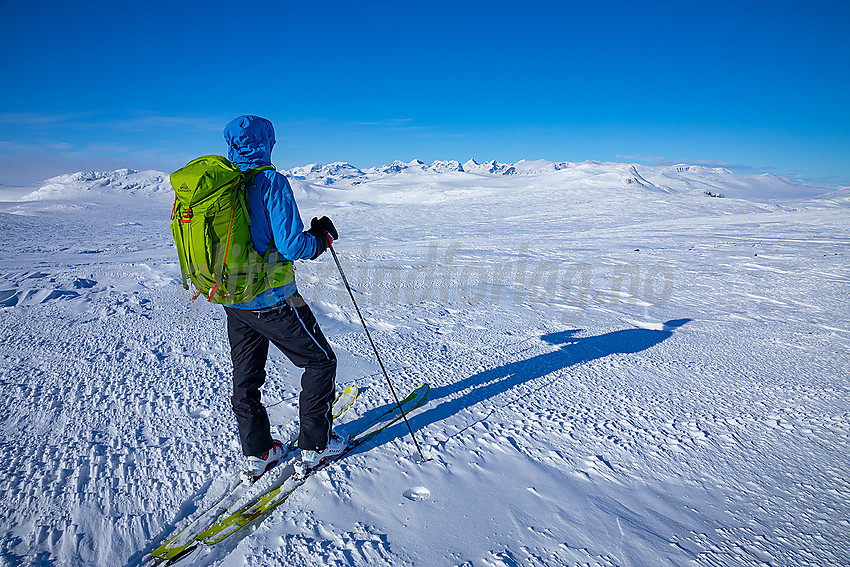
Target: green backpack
x=211 y=229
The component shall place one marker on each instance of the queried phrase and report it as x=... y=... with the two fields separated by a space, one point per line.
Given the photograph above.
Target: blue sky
x=755 y=86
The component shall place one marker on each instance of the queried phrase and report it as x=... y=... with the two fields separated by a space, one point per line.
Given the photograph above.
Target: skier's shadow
x=574 y=350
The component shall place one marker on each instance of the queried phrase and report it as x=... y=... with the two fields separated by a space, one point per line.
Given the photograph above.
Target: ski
x=264 y=503
x=185 y=540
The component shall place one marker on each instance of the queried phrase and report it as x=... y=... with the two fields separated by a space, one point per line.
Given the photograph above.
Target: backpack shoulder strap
x=250 y=174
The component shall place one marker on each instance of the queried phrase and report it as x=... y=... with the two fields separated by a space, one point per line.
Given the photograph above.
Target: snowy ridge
x=121 y=181
x=328 y=174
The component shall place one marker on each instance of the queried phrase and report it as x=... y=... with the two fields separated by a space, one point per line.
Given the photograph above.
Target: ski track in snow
x=681 y=400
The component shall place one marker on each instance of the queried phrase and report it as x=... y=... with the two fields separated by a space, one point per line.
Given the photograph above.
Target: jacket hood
x=250 y=140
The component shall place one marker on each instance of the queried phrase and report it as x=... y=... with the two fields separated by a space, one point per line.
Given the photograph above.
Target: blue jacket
x=271 y=204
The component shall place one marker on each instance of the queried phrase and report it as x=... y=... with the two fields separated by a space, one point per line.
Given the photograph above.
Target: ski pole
x=374 y=348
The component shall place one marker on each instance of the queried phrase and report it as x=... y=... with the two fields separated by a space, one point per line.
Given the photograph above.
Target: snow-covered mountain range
x=674 y=177
x=682 y=178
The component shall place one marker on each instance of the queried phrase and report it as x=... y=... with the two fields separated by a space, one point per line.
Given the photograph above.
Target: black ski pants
x=293 y=329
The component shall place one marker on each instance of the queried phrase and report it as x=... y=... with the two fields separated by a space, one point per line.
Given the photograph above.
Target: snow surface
x=625 y=370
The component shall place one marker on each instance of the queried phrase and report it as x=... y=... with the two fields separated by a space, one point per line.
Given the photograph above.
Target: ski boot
x=257 y=466
x=311 y=459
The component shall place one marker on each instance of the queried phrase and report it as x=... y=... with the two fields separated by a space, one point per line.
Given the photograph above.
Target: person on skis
x=279 y=315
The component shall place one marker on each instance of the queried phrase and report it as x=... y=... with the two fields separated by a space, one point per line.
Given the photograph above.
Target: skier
x=278 y=315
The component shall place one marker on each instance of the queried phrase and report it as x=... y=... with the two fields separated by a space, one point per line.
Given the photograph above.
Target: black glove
x=325 y=232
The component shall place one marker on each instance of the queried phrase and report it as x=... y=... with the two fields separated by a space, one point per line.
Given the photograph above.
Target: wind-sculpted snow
x=624 y=370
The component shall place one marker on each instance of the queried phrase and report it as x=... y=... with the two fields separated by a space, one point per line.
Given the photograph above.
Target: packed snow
x=629 y=365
